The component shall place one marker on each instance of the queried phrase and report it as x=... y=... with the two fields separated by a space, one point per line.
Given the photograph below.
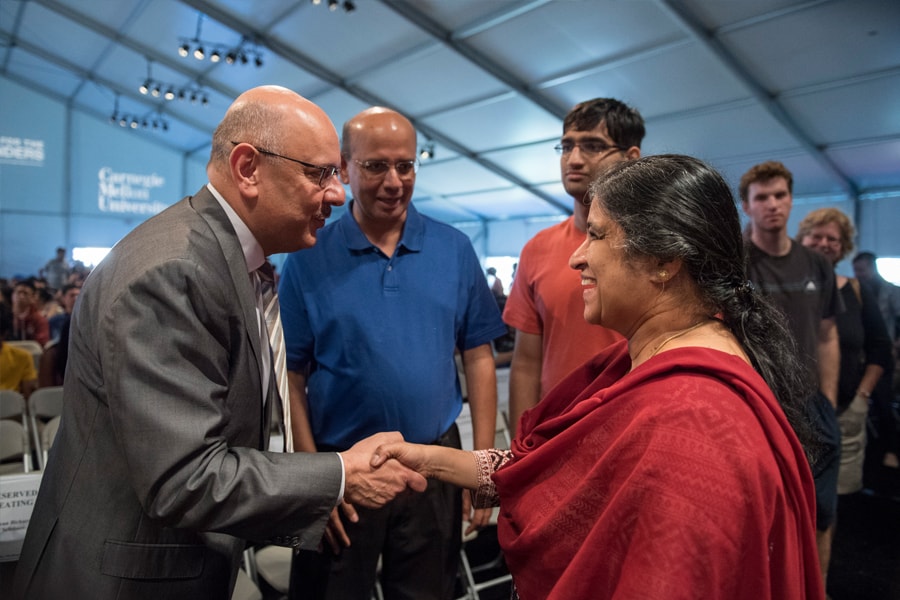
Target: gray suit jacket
x=156 y=476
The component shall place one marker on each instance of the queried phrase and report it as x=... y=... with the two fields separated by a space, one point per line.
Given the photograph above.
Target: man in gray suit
x=158 y=473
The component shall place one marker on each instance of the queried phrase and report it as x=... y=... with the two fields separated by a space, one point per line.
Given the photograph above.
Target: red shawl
x=681 y=479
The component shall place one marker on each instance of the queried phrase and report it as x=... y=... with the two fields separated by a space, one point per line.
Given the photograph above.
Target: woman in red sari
x=668 y=466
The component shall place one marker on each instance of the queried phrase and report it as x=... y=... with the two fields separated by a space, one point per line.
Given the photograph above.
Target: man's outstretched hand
x=373 y=487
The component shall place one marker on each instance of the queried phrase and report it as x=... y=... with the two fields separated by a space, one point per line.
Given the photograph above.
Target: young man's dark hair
x=67 y=287
x=764 y=172
x=623 y=123
x=29 y=283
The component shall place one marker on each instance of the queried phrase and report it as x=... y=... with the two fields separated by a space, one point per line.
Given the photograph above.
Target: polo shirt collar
x=412 y=238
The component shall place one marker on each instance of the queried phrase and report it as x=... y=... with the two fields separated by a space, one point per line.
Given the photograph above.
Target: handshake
x=379 y=467
x=374 y=473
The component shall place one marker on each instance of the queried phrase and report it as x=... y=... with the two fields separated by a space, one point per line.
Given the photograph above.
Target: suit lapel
x=208 y=208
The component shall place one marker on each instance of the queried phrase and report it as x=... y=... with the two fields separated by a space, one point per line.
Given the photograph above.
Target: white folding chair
x=13 y=407
x=273 y=564
x=245 y=588
x=43 y=405
x=12 y=404
x=467 y=570
x=48 y=435
x=13 y=447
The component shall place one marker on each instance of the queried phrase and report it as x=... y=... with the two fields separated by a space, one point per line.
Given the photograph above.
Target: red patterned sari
x=681 y=479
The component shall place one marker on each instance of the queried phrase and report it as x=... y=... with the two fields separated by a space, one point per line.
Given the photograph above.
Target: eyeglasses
x=377 y=168
x=589 y=147
x=325 y=173
x=818 y=238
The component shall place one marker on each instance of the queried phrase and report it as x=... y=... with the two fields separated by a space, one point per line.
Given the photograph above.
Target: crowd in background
x=38 y=308
x=861 y=315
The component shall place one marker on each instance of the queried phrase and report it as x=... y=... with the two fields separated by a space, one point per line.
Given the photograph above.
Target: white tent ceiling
x=815 y=84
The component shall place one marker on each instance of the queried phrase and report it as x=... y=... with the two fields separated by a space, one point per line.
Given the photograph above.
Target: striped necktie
x=272 y=315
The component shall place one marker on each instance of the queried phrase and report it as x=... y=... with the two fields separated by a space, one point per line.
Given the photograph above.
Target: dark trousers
x=886 y=438
x=828 y=462
x=417 y=536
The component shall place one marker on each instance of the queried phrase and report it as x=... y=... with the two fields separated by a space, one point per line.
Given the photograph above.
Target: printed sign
x=17 y=496
x=128 y=192
x=21 y=151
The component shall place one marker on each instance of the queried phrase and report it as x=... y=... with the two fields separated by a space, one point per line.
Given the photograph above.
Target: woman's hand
x=413 y=456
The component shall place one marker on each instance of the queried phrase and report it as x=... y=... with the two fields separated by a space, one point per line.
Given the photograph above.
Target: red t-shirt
x=546 y=300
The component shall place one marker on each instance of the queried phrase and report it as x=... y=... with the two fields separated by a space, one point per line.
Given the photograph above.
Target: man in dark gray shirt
x=801 y=282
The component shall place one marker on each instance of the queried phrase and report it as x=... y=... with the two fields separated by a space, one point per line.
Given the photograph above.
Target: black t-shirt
x=801 y=283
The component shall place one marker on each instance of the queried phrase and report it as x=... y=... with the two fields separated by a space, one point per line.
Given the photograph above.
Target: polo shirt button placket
x=391 y=285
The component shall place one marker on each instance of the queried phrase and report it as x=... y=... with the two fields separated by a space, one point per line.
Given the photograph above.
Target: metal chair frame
x=13 y=406
x=43 y=404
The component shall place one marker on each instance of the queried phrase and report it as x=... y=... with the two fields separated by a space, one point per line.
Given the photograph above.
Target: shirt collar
x=253 y=252
x=411 y=239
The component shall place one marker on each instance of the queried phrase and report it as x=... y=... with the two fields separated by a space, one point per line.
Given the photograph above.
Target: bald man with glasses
x=160 y=473
x=372 y=317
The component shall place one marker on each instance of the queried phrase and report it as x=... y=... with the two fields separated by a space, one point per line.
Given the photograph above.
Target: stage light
x=427 y=151
x=155 y=88
x=349 y=6
x=217 y=51
x=134 y=121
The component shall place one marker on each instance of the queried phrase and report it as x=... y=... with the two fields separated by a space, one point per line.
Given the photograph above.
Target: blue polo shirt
x=378 y=333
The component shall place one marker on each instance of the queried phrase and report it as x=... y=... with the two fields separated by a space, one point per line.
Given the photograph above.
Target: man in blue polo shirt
x=372 y=315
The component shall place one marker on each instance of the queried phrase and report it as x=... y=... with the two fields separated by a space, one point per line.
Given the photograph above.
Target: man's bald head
x=376 y=120
x=270 y=160
x=262 y=116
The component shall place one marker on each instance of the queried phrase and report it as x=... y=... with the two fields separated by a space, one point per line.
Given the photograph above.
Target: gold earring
x=662 y=274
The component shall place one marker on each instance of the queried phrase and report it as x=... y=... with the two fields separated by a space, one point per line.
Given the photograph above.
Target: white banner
x=17 y=496
x=21 y=151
